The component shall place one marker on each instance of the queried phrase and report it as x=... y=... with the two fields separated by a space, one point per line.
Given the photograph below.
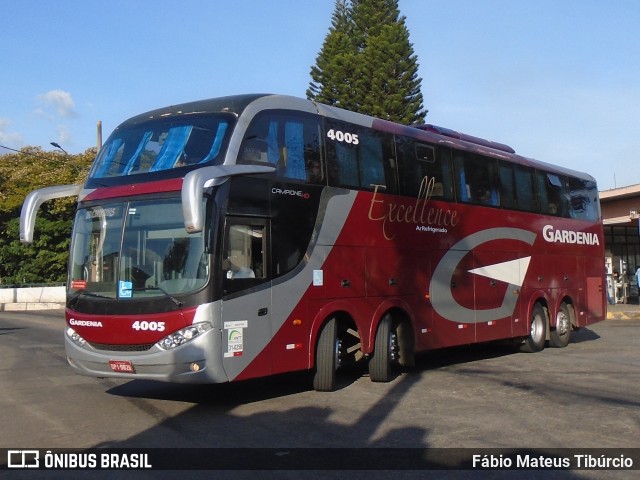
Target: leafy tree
x=367 y=63
x=44 y=261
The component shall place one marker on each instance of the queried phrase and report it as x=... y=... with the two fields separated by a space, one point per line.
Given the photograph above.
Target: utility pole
x=99 y=127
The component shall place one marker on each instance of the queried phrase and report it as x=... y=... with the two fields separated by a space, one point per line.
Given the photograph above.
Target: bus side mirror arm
x=196 y=181
x=33 y=201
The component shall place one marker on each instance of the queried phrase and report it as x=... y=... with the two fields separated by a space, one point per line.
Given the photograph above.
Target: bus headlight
x=183 y=336
x=75 y=338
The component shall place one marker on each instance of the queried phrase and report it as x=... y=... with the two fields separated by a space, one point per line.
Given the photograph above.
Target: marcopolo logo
x=291 y=193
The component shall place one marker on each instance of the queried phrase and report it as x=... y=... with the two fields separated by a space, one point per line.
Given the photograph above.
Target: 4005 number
x=343 y=137
x=148 y=326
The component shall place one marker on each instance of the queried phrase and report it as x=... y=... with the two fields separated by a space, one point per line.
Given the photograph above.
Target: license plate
x=122 y=366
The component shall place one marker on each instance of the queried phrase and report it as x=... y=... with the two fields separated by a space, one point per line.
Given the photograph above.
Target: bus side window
x=553 y=193
x=508 y=187
x=476 y=179
x=244 y=262
x=360 y=157
x=524 y=188
x=418 y=161
x=584 y=199
x=287 y=140
x=315 y=166
x=516 y=187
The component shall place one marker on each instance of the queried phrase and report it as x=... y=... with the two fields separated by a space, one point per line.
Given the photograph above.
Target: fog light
x=195 y=367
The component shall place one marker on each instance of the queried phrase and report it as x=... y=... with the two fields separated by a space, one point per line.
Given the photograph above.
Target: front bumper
x=199 y=361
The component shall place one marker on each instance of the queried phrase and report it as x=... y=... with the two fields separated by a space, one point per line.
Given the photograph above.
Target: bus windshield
x=136 y=249
x=163 y=144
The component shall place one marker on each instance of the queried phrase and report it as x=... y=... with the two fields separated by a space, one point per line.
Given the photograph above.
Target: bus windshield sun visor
x=197 y=180
x=33 y=202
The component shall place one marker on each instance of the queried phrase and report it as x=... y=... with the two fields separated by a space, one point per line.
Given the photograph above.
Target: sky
x=557 y=80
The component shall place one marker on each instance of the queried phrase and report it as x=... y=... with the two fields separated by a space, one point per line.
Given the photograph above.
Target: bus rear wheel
x=538 y=332
x=383 y=363
x=327 y=358
x=560 y=335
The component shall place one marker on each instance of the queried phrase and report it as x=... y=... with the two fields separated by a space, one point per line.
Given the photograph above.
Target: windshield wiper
x=85 y=293
x=155 y=287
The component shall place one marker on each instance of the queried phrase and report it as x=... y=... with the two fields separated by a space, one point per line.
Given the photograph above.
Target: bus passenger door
x=246 y=301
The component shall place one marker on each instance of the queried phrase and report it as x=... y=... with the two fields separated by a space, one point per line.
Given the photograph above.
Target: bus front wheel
x=538 y=332
x=327 y=358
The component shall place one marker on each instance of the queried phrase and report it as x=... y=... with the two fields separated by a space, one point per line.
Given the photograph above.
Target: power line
x=12 y=149
x=27 y=153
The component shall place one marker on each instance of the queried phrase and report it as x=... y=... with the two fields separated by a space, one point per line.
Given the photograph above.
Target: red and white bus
x=246 y=236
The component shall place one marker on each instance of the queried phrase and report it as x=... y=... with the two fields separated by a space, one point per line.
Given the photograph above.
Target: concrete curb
x=620 y=311
x=623 y=315
x=15 y=299
x=21 y=299
x=23 y=306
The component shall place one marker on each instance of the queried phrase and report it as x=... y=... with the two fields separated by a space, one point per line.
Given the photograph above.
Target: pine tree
x=367 y=63
x=333 y=74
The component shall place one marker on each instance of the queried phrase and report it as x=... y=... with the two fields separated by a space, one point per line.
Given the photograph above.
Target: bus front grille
x=122 y=348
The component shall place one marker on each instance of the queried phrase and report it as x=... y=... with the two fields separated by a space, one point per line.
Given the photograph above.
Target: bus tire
x=327 y=351
x=385 y=353
x=560 y=335
x=538 y=332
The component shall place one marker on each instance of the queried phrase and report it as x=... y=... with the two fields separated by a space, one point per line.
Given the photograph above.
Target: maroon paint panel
x=128 y=329
x=173 y=184
x=387 y=250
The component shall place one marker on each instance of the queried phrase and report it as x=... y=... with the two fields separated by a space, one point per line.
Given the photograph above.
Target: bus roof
x=230 y=104
x=237 y=104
